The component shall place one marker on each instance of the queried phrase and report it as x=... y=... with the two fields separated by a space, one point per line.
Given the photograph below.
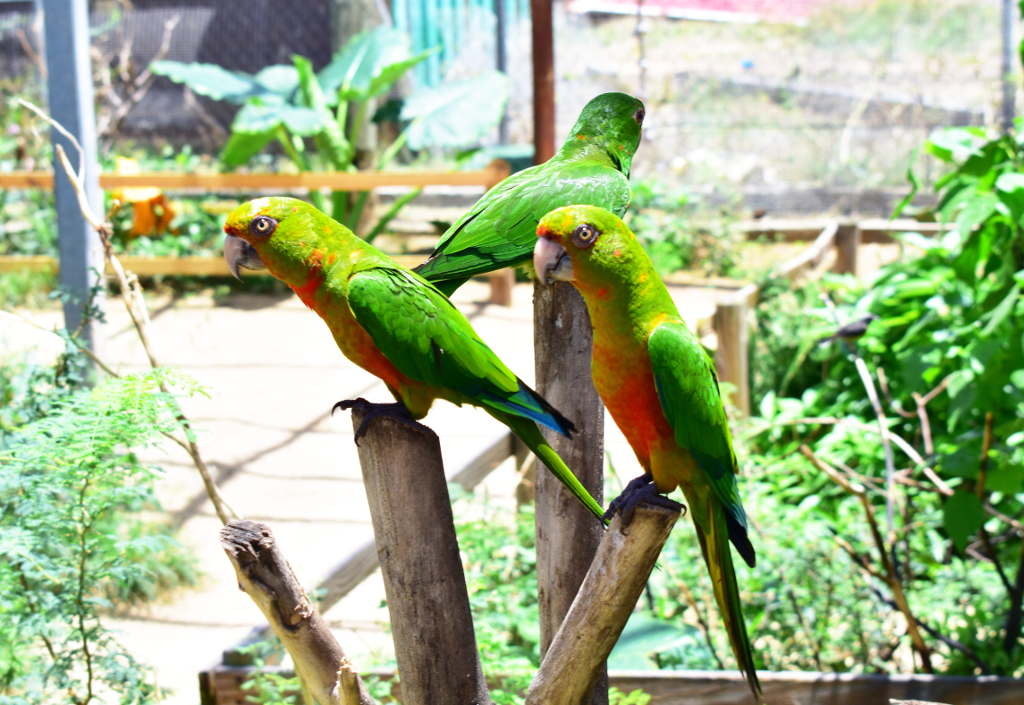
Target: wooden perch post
x=847 y=243
x=608 y=595
x=264 y=574
x=567 y=534
x=732 y=328
x=435 y=645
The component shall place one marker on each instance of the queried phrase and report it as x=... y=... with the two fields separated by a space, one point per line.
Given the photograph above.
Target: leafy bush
x=72 y=542
x=947 y=359
x=500 y=560
x=318 y=118
x=678 y=232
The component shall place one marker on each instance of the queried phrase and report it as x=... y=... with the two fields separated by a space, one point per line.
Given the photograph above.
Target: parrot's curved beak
x=551 y=261
x=239 y=253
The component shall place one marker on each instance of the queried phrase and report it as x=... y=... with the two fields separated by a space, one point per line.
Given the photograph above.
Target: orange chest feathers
x=625 y=381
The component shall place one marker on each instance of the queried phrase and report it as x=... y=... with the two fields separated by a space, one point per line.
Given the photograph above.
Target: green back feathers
x=410 y=322
x=592 y=167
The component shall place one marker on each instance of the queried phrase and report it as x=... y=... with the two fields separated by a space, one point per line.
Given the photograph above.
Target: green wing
x=429 y=340
x=687 y=387
x=500 y=229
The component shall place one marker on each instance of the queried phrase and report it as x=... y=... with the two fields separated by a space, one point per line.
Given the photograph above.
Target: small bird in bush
x=592 y=167
x=391 y=322
x=850 y=331
x=660 y=386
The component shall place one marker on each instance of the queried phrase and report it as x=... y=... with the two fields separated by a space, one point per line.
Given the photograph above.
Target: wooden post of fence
x=502 y=281
x=435 y=645
x=567 y=534
x=847 y=241
x=731 y=327
x=543 y=53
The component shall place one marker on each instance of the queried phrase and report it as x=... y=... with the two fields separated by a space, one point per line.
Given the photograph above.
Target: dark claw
x=639 y=490
x=395 y=410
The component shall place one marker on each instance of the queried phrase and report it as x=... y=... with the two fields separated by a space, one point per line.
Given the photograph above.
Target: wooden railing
x=501 y=282
x=337 y=180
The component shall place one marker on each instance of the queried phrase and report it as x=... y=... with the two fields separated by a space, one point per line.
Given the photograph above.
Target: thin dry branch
x=265 y=576
x=603 y=604
x=135 y=305
x=979 y=488
x=891 y=577
x=883 y=431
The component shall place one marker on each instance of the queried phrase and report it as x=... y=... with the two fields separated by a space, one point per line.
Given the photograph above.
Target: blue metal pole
x=70 y=96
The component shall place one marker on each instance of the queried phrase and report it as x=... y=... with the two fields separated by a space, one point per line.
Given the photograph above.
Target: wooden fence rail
x=501 y=282
x=337 y=180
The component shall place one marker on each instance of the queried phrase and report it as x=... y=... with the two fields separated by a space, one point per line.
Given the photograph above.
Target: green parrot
x=660 y=386
x=391 y=322
x=592 y=167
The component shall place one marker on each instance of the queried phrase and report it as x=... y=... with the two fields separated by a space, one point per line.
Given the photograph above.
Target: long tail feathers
x=714 y=542
x=530 y=435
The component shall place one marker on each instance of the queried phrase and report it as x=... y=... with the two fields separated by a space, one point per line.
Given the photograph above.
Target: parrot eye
x=639 y=116
x=262 y=225
x=584 y=235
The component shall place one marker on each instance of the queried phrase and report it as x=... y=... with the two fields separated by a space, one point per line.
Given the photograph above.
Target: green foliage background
x=73 y=543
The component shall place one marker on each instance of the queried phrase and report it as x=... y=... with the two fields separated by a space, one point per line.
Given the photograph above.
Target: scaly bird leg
x=640 y=489
x=395 y=410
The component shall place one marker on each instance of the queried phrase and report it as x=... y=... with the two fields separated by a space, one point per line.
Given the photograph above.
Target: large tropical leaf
x=455 y=114
x=243 y=146
x=368 y=64
x=210 y=80
x=330 y=139
x=267 y=112
x=279 y=78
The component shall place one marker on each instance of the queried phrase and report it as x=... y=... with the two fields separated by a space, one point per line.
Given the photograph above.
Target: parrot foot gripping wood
x=639 y=490
x=370 y=411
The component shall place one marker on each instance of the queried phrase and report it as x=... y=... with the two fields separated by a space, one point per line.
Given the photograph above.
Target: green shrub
x=72 y=542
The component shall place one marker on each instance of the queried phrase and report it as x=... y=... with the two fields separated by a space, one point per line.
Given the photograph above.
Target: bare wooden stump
x=435 y=645
x=567 y=534
x=502 y=282
x=264 y=574
x=847 y=241
x=732 y=359
x=608 y=595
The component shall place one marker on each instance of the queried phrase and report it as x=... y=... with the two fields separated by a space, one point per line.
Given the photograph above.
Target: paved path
x=271 y=372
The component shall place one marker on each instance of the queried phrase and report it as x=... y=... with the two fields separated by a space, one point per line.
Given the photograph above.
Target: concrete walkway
x=271 y=372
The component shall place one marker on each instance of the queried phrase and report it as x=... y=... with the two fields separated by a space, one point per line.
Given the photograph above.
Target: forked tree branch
x=265 y=576
x=602 y=606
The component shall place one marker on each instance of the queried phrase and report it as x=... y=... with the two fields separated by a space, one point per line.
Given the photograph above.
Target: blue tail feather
x=526 y=402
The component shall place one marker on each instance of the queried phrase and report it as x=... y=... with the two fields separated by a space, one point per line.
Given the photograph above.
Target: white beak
x=551 y=261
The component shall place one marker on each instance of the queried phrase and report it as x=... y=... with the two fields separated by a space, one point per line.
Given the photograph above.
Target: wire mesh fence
x=830 y=93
